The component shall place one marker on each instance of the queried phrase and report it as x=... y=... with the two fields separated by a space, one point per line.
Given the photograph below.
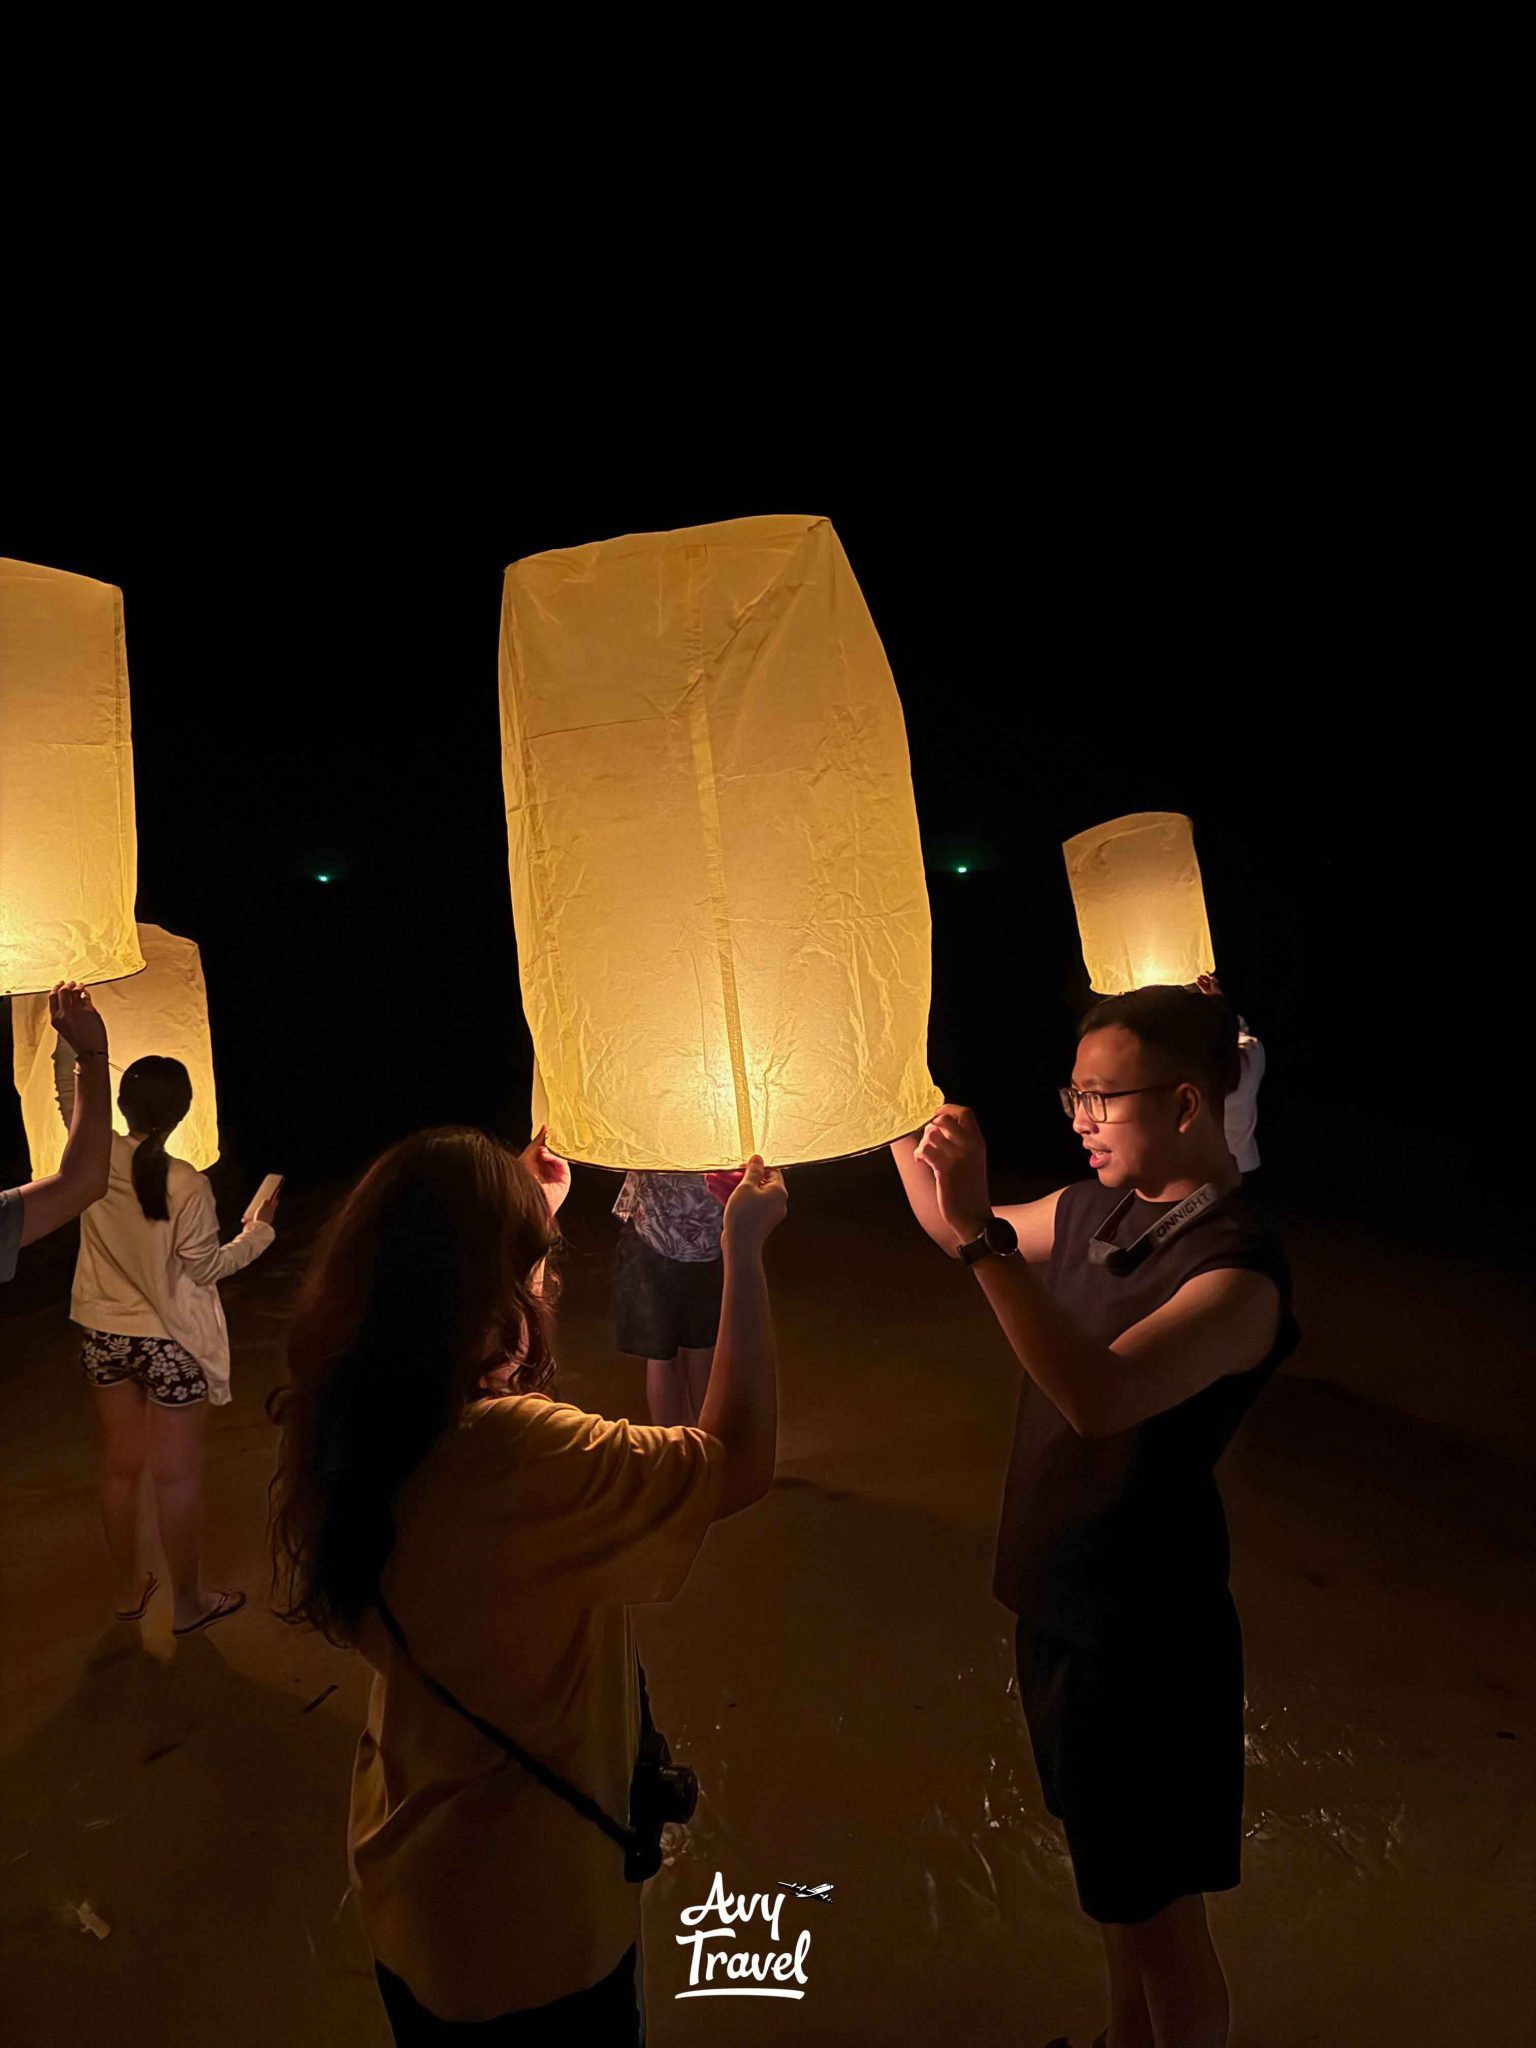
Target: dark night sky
x=312 y=656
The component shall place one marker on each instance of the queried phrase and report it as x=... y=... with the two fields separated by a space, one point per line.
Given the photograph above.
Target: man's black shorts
x=1140 y=1753
x=661 y=1303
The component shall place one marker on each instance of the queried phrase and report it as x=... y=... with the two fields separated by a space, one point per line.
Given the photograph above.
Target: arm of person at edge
x=1217 y=1324
x=86 y=1110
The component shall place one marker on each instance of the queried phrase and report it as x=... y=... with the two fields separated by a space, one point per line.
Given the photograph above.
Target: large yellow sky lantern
x=68 y=849
x=163 y=1010
x=1140 y=906
x=717 y=881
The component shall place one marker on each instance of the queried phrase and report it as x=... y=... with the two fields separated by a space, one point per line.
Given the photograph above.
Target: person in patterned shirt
x=667 y=1280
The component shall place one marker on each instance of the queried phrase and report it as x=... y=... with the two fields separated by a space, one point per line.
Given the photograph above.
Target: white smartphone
x=268 y=1187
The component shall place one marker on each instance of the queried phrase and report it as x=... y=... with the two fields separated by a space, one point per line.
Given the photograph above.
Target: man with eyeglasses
x=1148 y=1304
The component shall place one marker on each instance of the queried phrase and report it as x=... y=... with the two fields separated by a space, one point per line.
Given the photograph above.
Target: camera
x=659 y=1791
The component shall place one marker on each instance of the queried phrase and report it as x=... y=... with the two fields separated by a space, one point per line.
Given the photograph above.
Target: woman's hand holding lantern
x=552 y=1173
x=757 y=1206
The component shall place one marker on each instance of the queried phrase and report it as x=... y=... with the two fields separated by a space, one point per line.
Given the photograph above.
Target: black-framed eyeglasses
x=1094 y=1099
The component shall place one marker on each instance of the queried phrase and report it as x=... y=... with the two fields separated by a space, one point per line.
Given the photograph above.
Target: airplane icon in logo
x=807 y=1891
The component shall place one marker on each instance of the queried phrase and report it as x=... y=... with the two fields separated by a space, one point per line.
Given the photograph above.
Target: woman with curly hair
x=438 y=1508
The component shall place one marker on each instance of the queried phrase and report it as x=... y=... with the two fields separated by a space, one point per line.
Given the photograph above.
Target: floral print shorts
x=166 y=1373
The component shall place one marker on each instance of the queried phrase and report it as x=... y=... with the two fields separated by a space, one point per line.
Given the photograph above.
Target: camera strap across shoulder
x=626 y=1838
x=1123 y=1259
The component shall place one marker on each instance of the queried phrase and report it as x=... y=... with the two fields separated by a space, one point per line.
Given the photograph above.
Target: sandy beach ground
x=172 y=1815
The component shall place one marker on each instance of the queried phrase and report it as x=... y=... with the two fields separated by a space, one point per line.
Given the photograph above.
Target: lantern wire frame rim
x=832 y=1158
x=100 y=981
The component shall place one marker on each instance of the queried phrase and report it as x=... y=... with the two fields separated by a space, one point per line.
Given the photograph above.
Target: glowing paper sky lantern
x=163 y=1010
x=68 y=850
x=1140 y=906
x=717 y=882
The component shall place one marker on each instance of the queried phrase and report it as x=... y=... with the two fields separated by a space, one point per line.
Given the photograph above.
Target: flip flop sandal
x=137 y=1613
x=229 y=1603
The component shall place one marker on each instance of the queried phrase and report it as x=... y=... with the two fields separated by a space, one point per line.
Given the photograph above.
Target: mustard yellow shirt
x=520 y=1541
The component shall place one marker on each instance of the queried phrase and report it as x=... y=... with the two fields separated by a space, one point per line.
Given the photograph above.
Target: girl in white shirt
x=156 y=1349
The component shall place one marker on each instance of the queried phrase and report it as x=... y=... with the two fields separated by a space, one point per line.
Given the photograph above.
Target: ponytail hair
x=154 y=1095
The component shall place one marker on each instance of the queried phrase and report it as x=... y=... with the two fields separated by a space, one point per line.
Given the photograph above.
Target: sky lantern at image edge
x=1139 y=901
x=163 y=1010
x=717 y=881
x=68 y=847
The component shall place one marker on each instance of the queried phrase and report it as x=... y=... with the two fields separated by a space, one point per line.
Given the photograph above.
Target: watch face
x=1001 y=1236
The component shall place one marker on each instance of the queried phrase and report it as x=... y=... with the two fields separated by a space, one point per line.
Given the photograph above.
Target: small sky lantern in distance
x=1140 y=907
x=717 y=882
x=68 y=849
x=163 y=1010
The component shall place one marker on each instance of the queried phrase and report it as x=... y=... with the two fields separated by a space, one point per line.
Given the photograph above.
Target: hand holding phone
x=262 y=1207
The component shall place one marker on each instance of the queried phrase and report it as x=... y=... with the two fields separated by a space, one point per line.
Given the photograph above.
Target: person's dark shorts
x=171 y=1377
x=661 y=1303
x=1140 y=1753
x=607 y=2015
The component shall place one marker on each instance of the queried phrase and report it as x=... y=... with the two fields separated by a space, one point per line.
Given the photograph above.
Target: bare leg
x=666 y=1391
x=1130 y=2024
x=1181 y=1975
x=124 y=1447
x=176 y=1459
x=696 y=1365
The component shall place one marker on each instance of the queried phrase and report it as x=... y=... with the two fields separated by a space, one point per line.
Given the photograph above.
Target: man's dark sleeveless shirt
x=1103 y=1537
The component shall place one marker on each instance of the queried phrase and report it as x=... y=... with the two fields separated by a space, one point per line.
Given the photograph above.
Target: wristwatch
x=998 y=1237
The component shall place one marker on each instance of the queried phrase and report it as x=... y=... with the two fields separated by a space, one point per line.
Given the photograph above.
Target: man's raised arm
x=1035 y=1222
x=917 y=1179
